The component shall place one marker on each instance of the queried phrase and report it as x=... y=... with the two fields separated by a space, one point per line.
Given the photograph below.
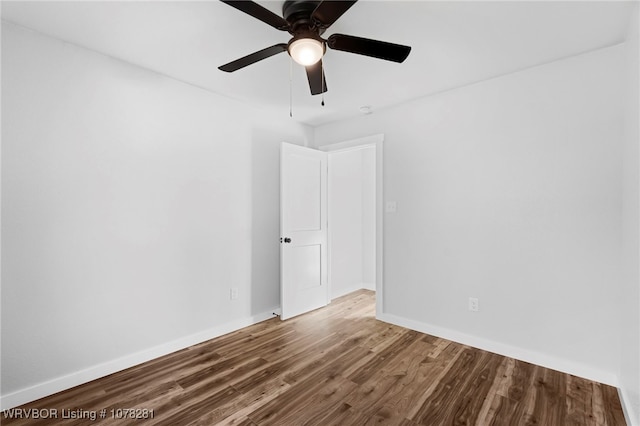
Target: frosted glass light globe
x=306 y=51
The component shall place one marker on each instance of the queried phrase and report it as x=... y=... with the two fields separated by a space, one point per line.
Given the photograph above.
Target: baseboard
x=335 y=293
x=537 y=358
x=630 y=408
x=355 y=287
x=58 y=384
x=369 y=286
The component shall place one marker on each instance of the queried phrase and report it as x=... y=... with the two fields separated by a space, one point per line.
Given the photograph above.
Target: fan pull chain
x=290 y=87
x=322 y=83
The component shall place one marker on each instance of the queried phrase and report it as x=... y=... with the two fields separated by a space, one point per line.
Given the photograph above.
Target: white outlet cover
x=473 y=304
x=391 y=207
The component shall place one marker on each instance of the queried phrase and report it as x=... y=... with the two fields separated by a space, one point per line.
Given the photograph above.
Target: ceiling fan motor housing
x=298 y=14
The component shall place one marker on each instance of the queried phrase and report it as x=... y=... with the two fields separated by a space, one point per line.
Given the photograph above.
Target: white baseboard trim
x=369 y=286
x=68 y=381
x=352 y=288
x=537 y=358
x=630 y=414
x=335 y=293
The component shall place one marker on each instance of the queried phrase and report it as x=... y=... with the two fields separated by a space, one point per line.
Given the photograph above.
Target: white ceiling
x=453 y=43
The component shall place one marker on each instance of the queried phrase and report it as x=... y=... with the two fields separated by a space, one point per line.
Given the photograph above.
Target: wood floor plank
x=304 y=404
x=393 y=349
x=550 y=401
x=397 y=382
x=498 y=383
x=474 y=394
x=451 y=402
x=343 y=358
x=337 y=366
x=244 y=422
x=612 y=406
x=501 y=411
x=519 y=380
x=431 y=372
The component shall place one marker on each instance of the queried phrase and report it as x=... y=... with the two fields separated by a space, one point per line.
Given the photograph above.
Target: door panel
x=304 y=194
x=308 y=275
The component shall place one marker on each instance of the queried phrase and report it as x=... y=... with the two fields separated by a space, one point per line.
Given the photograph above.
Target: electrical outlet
x=473 y=304
x=233 y=294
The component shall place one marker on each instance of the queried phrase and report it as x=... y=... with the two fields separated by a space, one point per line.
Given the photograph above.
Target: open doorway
x=354 y=214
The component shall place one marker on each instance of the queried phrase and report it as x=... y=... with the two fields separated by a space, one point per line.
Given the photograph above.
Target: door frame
x=376 y=141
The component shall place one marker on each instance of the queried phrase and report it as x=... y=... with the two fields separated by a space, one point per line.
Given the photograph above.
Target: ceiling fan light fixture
x=306 y=51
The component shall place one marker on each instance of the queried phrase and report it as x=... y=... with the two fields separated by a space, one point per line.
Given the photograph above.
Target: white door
x=303 y=230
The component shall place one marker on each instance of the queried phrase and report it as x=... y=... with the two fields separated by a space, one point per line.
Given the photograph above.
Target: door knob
x=287 y=240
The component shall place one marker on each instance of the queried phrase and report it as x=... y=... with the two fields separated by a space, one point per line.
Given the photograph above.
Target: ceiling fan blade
x=328 y=12
x=315 y=75
x=364 y=46
x=254 y=57
x=259 y=12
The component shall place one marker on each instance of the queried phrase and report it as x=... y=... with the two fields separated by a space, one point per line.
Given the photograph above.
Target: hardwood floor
x=335 y=366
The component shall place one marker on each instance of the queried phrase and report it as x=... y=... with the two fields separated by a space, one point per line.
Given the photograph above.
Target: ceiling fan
x=306 y=21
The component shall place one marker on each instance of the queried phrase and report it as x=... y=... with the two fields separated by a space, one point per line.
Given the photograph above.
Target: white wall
x=131 y=204
x=345 y=222
x=630 y=302
x=509 y=191
x=352 y=220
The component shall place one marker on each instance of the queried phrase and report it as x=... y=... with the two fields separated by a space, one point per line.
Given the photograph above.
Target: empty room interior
x=434 y=221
